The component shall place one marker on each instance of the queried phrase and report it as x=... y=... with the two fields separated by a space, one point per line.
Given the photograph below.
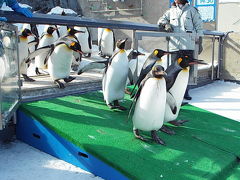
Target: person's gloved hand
x=26 y=12
x=3 y=19
x=168 y=28
x=200 y=47
x=161 y=27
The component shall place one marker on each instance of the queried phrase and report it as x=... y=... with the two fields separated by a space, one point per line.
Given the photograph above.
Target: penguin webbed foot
x=118 y=106
x=167 y=130
x=88 y=55
x=111 y=106
x=74 y=67
x=69 y=79
x=178 y=122
x=138 y=136
x=27 y=78
x=59 y=84
x=101 y=54
x=37 y=71
x=156 y=138
x=127 y=91
x=80 y=72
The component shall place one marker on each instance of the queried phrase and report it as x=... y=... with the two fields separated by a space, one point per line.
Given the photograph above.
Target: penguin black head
x=63 y=13
x=72 y=31
x=51 y=29
x=160 y=53
x=185 y=61
x=158 y=71
x=26 y=32
x=121 y=43
x=75 y=46
x=134 y=54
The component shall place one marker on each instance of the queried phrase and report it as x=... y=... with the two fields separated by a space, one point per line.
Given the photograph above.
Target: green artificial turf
x=206 y=147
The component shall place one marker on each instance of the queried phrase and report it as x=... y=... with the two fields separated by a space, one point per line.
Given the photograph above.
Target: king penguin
x=46 y=39
x=77 y=57
x=23 y=53
x=85 y=40
x=115 y=77
x=150 y=101
x=132 y=57
x=107 y=43
x=60 y=60
x=177 y=80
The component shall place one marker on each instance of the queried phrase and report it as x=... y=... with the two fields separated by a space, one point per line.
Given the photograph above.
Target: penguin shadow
x=81 y=111
x=138 y=160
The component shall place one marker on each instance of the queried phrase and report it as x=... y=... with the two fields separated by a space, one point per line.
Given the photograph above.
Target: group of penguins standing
x=157 y=94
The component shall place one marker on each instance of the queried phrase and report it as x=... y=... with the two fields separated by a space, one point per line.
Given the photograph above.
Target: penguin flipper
x=130 y=76
x=38 y=52
x=170 y=100
x=89 y=38
x=33 y=42
x=114 y=41
x=51 y=49
x=137 y=95
x=93 y=65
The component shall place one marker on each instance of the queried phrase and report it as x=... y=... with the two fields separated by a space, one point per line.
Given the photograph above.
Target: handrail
x=76 y=21
x=14 y=17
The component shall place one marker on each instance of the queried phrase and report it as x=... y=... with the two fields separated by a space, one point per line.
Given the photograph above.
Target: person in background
x=15 y=6
x=182 y=17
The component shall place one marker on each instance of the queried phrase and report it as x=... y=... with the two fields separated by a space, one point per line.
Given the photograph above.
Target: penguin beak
x=80 y=31
x=197 y=61
x=80 y=52
x=161 y=73
x=173 y=52
x=141 y=54
x=31 y=34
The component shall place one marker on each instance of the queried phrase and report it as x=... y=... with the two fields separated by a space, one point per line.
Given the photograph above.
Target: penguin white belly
x=59 y=63
x=115 y=78
x=45 y=41
x=83 y=39
x=150 y=107
x=177 y=91
x=2 y=69
x=107 y=43
x=23 y=53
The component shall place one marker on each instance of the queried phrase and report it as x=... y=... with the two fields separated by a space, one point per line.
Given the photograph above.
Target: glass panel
x=9 y=87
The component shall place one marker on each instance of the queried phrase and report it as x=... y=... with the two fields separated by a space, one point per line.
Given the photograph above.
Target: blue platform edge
x=35 y=134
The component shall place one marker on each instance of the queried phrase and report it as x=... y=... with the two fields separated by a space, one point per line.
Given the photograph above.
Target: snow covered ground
x=19 y=161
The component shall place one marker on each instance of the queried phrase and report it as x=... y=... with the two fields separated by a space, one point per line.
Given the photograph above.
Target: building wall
x=231 y=59
x=229 y=17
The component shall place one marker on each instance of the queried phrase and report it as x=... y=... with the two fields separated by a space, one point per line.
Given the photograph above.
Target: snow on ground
x=220 y=97
x=19 y=161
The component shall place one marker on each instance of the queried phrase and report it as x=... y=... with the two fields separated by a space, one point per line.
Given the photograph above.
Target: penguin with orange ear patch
x=150 y=101
x=59 y=59
x=177 y=80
